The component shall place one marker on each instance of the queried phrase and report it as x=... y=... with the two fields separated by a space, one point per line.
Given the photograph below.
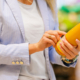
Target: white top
x=34 y=30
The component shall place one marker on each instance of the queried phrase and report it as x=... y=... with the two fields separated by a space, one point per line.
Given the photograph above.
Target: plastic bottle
x=71 y=37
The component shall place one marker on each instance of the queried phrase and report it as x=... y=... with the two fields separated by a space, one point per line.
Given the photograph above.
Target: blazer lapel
x=44 y=12
x=14 y=6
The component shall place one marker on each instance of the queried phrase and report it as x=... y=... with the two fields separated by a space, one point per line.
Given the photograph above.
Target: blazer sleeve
x=14 y=53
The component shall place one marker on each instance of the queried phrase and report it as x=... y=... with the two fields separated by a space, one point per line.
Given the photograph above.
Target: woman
x=28 y=35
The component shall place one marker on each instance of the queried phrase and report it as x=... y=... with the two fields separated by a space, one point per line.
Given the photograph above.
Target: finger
x=70 y=47
x=78 y=43
x=49 y=41
x=66 y=54
x=61 y=33
x=54 y=33
x=67 y=50
x=51 y=37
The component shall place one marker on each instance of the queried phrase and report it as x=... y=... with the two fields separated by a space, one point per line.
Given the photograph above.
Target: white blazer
x=12 y=40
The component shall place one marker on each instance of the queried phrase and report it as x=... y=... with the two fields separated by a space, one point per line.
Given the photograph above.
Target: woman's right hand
x=49 y=38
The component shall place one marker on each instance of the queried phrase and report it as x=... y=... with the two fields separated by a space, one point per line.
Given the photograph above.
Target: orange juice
x=71 y=37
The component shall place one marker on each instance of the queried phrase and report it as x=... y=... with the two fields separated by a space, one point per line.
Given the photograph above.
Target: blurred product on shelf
x=69 y=16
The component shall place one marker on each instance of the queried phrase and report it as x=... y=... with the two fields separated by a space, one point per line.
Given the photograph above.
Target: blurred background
x=69 y=16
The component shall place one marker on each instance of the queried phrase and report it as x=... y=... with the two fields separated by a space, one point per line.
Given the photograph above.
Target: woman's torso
x=34 y=30
x=12 y=32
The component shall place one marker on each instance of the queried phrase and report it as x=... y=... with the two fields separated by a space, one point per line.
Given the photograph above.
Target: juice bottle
x=71 y=37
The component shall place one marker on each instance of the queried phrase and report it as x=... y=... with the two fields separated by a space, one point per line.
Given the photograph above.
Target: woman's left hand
x=69 y=50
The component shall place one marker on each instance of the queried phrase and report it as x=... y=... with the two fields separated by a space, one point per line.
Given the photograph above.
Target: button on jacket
x=14 y=51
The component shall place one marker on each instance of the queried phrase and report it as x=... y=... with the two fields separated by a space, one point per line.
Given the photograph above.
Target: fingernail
x=77 y=40
x=60 y=43
x=63 y=40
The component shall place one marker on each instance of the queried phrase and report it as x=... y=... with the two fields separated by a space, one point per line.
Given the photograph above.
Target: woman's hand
x=69 y=50
x=49 y=38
